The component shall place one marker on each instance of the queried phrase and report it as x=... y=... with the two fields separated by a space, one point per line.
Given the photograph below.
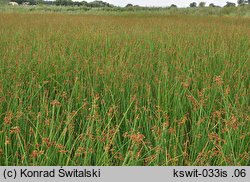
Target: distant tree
x=173 y=6
x=129 y=5
x=241 y=2
x=193 y=5
x=64 y=2
x=99 y=4
x=212 y=5
x=39 y=1
x=202 y=4
x=230 y=4
x=77 y=3
x=84 y=3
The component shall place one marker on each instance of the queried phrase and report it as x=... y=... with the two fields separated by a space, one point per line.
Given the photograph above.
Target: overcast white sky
x=164 y=3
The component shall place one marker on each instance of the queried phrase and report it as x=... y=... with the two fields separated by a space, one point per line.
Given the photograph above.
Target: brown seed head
x=218 y=80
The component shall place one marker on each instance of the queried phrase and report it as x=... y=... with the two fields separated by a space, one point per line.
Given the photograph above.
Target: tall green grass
x=127 y=90
x=242 y=11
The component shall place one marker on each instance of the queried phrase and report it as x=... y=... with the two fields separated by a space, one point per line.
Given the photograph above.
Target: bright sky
x=164 y=3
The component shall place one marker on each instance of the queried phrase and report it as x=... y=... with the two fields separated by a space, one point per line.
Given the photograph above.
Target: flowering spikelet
x=7 y=140
x=183 y=120
x=218 y=80
x=80 y=151
x=194 y=102
x=15 y=129
x=171 y=130
x=34 y=154
x=233 y=122
x=137 y=138
x=8 y=118
x=215 y=137
x=55 y=103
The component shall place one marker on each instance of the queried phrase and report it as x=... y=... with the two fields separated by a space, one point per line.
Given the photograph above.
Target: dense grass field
x=242 y=11
x=124 y=90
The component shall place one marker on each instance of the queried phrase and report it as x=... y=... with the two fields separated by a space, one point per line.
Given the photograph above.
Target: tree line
x=63 y=3
x=228 y=4
x=105 y=4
